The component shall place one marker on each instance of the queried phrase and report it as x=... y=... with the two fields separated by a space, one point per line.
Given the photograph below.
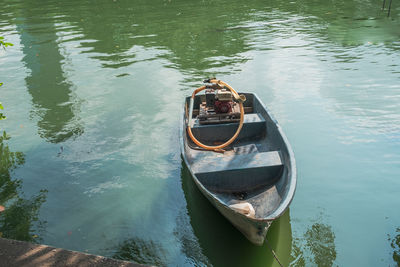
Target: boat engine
x=223 y=101
x=219 y=107
x=220 y=101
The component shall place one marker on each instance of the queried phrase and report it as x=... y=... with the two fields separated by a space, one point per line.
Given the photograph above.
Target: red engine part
x=223 y=106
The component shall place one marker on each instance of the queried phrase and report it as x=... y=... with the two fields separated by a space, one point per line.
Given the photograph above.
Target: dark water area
x=93 y=92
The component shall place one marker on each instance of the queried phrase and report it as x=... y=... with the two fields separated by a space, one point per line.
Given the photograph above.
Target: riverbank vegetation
x=3 y=44
x=18 y=214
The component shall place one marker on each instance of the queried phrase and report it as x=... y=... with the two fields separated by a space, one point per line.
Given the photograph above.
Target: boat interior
x=251 y=170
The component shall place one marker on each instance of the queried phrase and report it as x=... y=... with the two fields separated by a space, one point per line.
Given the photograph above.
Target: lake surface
x=93 y=92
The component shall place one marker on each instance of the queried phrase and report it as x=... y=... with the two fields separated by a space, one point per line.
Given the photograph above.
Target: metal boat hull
x=255 y=232
x=270 y=200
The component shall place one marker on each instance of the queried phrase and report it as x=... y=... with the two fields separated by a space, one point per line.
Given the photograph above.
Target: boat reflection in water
x=224 y=245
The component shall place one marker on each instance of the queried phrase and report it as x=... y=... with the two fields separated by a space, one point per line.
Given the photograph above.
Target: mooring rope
x=273 y=253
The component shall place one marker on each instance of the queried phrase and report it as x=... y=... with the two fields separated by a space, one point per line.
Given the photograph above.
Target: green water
x=93 y=93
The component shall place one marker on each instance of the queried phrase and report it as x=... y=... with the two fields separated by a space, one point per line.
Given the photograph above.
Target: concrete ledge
x=21 y=254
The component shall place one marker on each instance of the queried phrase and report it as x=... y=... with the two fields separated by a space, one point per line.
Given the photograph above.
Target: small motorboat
x=238 y=156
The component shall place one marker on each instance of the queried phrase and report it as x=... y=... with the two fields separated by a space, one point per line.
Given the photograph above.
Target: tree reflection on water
x=19 y=220
x=140 y=251
x=317 y=247
x=55 y=103
x=395 y=244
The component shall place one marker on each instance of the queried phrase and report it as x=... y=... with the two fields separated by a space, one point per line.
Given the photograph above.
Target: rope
x=273 y=253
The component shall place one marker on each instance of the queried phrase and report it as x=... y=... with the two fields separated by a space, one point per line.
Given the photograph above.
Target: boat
x=238 y=156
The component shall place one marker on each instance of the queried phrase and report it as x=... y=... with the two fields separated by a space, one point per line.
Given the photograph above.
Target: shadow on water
x=20 y=219
x=54 y=102
x=221 y=243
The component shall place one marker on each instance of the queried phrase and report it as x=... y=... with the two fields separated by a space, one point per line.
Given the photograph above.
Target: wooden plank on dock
x=24 y=254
